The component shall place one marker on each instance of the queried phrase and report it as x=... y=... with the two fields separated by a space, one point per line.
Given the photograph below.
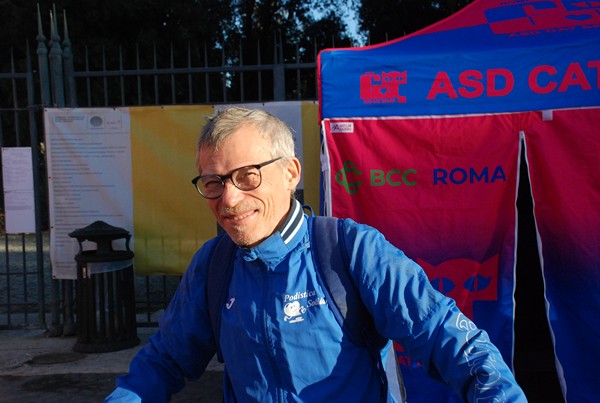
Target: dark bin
x=105 y=299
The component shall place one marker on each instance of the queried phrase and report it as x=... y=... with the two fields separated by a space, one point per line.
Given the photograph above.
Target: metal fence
x=59 y=75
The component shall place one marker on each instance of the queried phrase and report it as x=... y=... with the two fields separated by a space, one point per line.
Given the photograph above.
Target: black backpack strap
x=218 y=278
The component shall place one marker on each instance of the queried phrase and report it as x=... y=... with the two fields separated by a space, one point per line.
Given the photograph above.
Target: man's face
x=250 y=216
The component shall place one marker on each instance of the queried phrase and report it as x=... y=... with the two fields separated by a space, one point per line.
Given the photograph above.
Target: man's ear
x=293 y=171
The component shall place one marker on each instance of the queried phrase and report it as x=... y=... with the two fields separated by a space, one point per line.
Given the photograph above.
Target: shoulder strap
x=332 y=263
x=218 y=278
x=331 y=260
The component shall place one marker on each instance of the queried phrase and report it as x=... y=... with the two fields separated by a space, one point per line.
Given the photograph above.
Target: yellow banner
x=311 y=163
x=170 y=219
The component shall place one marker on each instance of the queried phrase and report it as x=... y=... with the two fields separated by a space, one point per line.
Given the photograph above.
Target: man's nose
x=231 y=194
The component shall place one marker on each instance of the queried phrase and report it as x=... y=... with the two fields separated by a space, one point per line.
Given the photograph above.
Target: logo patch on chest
x=295 y=305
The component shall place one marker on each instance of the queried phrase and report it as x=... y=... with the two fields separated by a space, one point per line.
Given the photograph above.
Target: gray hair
x=227 y=121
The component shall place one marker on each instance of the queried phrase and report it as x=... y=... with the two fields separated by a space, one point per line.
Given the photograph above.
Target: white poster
x=89 y=177
x=17 y=176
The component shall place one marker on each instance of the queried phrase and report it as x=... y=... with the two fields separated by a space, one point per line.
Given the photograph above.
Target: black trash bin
x=105 y=299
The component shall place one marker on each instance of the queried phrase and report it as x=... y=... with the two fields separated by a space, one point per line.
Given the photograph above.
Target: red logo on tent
x=465 y=280
x=543 y=16
x=382 y=88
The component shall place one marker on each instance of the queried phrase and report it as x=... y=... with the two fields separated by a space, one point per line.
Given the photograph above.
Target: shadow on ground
x=80 y=388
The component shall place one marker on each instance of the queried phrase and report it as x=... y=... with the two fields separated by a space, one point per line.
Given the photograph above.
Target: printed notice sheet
x=89 y=177
x=17 y=175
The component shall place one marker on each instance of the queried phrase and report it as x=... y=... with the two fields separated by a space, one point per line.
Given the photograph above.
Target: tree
x=148 y=34
x=390 y=19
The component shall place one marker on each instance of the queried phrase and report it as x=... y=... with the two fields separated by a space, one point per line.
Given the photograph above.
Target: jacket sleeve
x=120 y=395
x=184 y=343
x=407 y=309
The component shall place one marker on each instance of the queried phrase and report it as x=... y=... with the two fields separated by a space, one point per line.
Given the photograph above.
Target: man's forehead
x=222 y=160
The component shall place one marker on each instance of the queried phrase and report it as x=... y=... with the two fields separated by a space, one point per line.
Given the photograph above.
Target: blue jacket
x=281 y=342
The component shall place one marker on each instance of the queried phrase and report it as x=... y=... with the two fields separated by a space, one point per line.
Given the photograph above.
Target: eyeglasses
x=244 y=178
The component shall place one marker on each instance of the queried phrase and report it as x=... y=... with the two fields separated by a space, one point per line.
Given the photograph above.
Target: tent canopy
x=489 y=57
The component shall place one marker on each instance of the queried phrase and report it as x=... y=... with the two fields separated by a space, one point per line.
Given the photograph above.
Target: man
x=272 y=352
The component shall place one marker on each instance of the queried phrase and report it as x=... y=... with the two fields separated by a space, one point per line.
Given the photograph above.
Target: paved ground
x=39 y=369
x=34 y=368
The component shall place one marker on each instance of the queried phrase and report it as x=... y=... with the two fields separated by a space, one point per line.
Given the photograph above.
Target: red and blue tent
x=424 y=138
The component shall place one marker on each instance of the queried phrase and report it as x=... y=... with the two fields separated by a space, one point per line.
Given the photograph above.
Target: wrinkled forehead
x=244 y=147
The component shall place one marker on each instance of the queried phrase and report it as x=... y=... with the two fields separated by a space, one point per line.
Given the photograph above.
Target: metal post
x=278 y=70
x=56 y=66
x=55 y=328
x=67 y=80
x=37 y=186
x=68 y=66
x=42 y=52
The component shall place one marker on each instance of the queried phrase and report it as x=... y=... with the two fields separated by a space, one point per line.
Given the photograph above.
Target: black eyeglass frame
x=223 y=178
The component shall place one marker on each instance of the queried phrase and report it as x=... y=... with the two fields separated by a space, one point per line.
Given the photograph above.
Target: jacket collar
x=273 y=249
x=292 y=222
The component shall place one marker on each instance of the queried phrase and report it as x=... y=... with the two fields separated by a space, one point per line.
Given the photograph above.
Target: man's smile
x=239 y=214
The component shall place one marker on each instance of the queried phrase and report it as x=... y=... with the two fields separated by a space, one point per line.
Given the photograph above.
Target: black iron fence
x=57 y=74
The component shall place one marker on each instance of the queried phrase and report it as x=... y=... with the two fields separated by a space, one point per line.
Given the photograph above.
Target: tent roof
x=492 y=56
